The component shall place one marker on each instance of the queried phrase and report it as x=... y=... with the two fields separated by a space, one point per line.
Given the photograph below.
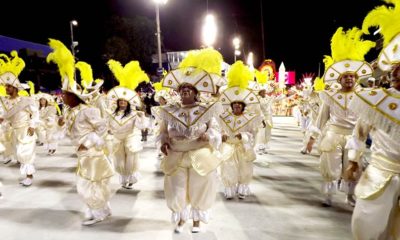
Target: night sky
x=294 y=31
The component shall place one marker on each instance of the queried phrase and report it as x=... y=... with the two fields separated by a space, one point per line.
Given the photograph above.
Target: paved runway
x=285 y=203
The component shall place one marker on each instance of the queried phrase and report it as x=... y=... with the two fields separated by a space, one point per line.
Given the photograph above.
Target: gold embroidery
x=205 y=84
x=340 y=97
x=392 y=106
x=372 y=93
x=364 y=71
x=347 y=65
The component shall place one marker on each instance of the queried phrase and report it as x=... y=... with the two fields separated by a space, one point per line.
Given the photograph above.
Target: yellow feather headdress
x=15 y=64
x=386 y=18
x=10 y=68
x=31 y=88
x=319 y=84
x=239 y=75
x=64 y=60
x=86 y=73
x=128 y=76
x=261 y=77
x=349 y=45
x=208 y=59
x=348 y=51
x=388 y=21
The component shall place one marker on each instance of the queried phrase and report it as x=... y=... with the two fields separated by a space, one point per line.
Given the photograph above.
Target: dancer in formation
x=239 y=126
x=22 y=114
x=86 y=128
x=125 y=122
x=335 y=120
x=376 y=214
x=189 y=135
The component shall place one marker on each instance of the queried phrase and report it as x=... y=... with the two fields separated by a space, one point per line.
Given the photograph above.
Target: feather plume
x=349 y=45
x=157 y=86
x=386 y=18
x=3 y=92
x=86 y=73
x=328 y=61
x=208 y=59
x=319 y=84
x=239 y=75
x=261 y=77
x=128 y=76
x=15 y=64
x=31 y=88
x=64 y=60
x=23 y=93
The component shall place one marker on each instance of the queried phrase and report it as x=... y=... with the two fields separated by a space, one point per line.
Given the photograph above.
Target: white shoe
x=241 y=196
x=92 y=221
x=128 y=186
x=178 y=229
x=196 y=229
x=27 y=182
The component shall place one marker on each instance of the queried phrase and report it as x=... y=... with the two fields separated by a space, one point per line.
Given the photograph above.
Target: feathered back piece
x=328 y=61
x=31 y=88
x=319 y=84
x=158 y=86
x=64 y=60
x=86 y=73
x=208 y=59
x=129 y=76
x=239 y=75
x=15 y=64
x=386 y=18
x=3 y=92
x=349 y=45
x=261 y=77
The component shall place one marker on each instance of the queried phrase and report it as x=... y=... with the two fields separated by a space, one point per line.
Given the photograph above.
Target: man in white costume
x=86 y=128
x=376 y=214
x=335 y=120
x=22 y=114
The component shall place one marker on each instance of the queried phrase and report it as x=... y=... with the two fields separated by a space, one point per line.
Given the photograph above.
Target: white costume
x=86 y=128
x=335 y=120
x=377 y=191
x=22 y=115
x=48 y=127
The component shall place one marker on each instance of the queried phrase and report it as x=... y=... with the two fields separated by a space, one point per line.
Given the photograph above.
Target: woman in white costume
x=239 y=126
x=124 y=122
x=48 y=127
x=86 y=128
x=189 y=135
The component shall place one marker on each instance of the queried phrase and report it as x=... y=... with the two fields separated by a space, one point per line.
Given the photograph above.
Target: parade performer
x=239 y=126
x=22 y=115
x=48 y=127
x=86 y=128
x=311 y=105
x=335 y=120
x=376 y=214
x=125 y=122
x=189 y=135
